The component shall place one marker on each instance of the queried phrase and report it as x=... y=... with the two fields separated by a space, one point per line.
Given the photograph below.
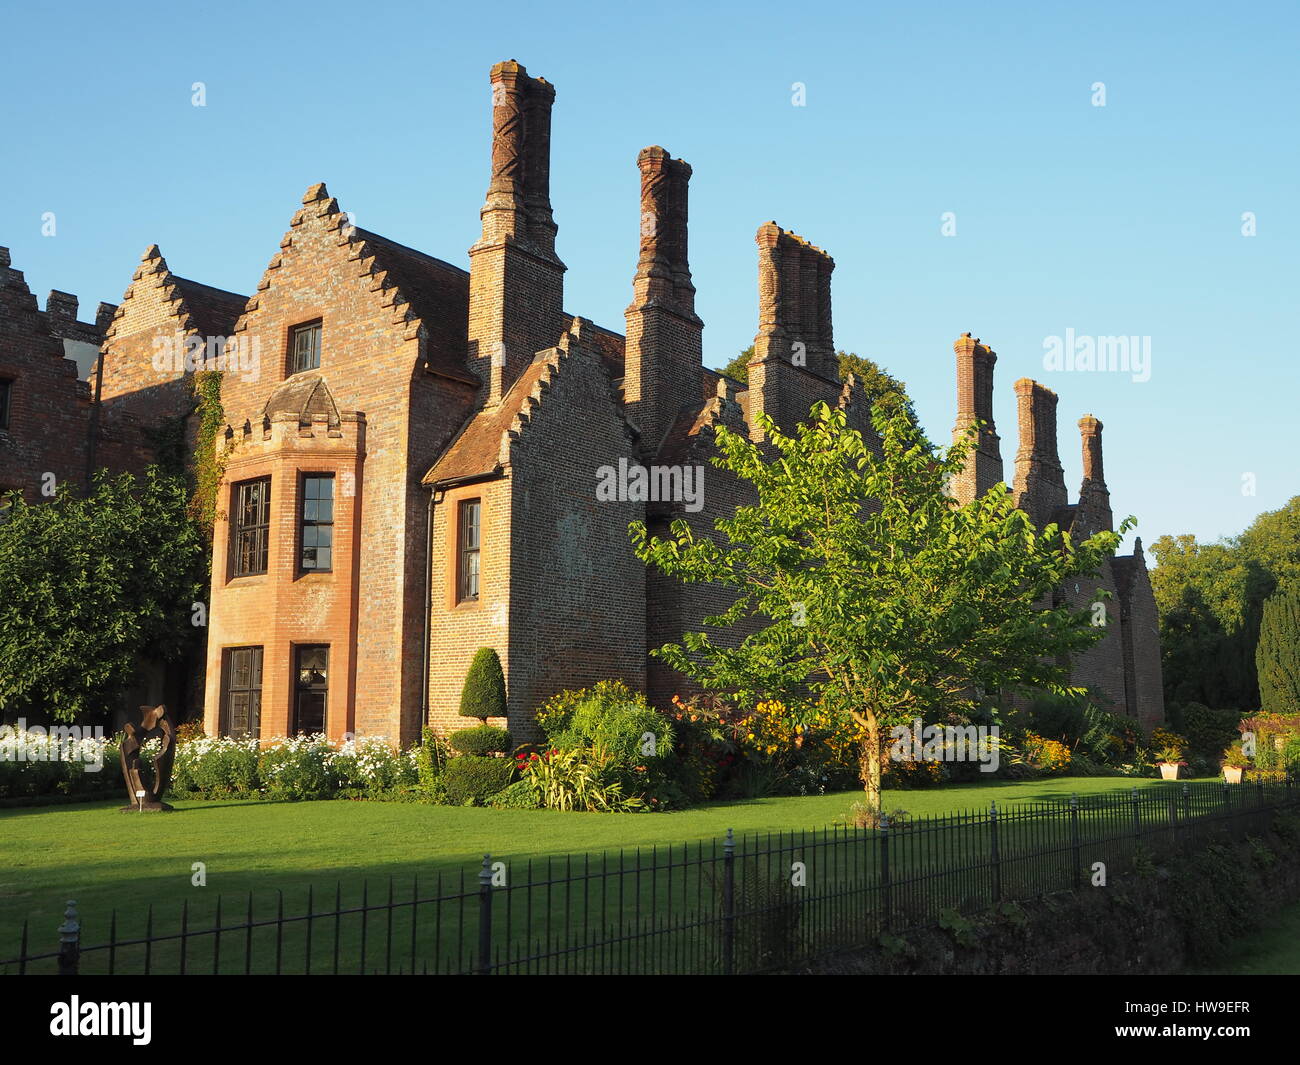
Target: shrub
x=576 y=780
x=1042 y=755
x=1208 y=731
x=472 y=779
x=299 y=768
x=518 y=796
x=217 y=768
x=370 y=767
x=483 y=739
x=484 y=694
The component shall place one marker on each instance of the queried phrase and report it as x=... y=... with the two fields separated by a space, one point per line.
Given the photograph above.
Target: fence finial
x=69 y=940
x=485 y=873
x=729 y=844
x=1074 y=801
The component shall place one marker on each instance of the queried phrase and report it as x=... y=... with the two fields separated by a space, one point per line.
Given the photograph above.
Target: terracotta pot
x=1169 y=770
x=1233 y=773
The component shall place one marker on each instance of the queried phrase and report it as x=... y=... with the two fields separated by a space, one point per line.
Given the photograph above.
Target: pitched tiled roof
x=213 y=311
x=438 y=293
x=477 y=448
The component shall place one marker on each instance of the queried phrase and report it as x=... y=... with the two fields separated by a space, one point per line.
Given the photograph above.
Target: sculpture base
x=148 y=808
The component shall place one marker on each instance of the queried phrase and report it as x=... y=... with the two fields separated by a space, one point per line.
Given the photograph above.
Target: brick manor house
x=412 y=450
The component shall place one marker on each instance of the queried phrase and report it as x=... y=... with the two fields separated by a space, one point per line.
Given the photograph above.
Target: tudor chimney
x=663 y=360
x=794 y=363
x=516 y=288
x=975 y=362
x=1094 y=496
x=1039 y=487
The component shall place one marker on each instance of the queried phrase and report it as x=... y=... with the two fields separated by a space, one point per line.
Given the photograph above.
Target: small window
x=317 y=524
x=252 y=522
x=468 y=553
x=311 y=690
x=304 y=347
x=242 y=704
x=6 y=391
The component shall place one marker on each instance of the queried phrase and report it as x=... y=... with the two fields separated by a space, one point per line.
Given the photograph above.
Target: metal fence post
x=1074 y=842
x=993 y=842
x=1187 y=802
x=886 y=890
x=1137 y=815
x=69 y=941
x=485 y=917
x=729 y=904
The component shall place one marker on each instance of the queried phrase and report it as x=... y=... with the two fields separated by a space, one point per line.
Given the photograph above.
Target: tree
x=876 y=382
x=89 y=585
x=738 y=367
x=1211 y=600
x=864 y=588
x=1278 y=655
x=484 y=694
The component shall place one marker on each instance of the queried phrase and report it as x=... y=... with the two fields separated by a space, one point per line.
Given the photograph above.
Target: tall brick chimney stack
x=663 y=356
x=1039 y=487
x=1094 y=496
x=516 y=288
x=794 y=362
x=975 y=362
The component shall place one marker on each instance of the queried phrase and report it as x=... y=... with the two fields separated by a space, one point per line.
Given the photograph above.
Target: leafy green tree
x=863 y=588
x=484 y=694
x=876 y=382
x=1278 y=655
x=1211 y=599
x=738 y=367
x=91 y=584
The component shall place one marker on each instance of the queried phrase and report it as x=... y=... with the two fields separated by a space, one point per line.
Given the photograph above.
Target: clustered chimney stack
x=1039 y=487
x=794 y=351
x=663 y=355
x=1094 y=496
x=517 y=248
x=975 y=362
x=794 y=302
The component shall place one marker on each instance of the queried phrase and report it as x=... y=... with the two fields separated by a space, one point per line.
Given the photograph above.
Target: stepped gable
x=691 y=431
x=438 y=293
x=428 y=296
x=482 y=445
x=198 y=308
x=212 y=311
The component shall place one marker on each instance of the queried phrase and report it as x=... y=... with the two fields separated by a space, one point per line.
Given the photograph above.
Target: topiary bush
x=484 y=739
x=484 y=694
x=472 y=779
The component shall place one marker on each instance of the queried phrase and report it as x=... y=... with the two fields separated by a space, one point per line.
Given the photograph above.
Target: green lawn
x=108 y=860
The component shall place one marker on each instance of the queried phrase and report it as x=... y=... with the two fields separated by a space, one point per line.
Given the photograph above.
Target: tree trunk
x=869 y=767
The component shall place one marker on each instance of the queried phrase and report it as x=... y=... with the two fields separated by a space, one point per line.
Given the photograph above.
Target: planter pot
x=1169 y=770
x=1233 y=773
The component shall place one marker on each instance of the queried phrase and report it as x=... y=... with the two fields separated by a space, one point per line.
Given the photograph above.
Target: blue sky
x=1117 y=220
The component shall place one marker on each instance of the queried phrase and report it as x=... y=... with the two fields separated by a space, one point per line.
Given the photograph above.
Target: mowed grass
x=108 y=860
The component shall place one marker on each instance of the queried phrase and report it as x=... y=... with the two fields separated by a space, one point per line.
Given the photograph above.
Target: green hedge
x=483 y=739
x=472 y=779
